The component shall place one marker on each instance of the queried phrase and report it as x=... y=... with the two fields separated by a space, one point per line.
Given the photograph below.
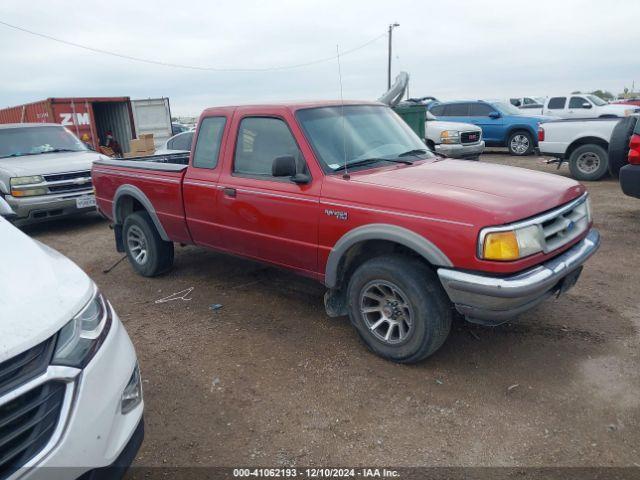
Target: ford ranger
x=347 y=194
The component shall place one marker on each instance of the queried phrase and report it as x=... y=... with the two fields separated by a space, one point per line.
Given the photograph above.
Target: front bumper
x=630 y=180
x=458 y=150
x=92 y=432
x=46 y=207
x=493 y=300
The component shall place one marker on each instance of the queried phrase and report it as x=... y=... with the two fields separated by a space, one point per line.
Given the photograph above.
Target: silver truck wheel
x=520 y=143
x=386 y=311
x=137 y=243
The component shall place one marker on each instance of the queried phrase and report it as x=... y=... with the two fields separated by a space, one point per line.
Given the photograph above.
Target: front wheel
x=589 y=163
x=399 y=308
x=520 y=143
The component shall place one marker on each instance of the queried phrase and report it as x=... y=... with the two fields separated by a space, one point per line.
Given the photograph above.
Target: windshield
x=19 y=141
x=363 y=132
x=596 y=100
x=507 y=108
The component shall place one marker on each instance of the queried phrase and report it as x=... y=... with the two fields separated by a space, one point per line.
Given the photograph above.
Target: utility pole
x=391 y=27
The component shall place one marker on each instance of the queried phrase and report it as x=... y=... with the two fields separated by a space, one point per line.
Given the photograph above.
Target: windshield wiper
x=58 y=150
x=367 y=161
x=414 y=152
x=13 y=155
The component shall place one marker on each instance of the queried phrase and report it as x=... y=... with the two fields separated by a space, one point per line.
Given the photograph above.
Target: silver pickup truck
x=45 y=172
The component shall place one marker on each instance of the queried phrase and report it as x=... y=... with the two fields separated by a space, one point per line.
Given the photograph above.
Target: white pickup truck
x=70 y=393
x=581 y=143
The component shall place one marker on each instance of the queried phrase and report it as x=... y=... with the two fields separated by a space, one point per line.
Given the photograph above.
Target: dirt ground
x=269 y=380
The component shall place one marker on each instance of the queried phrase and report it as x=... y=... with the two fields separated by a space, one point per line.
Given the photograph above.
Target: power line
x=190 y=67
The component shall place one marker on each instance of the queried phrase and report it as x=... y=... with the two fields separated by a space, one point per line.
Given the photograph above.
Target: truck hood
x=491 y=194
x=442 y=125
x=40 y=291
x=47 y=163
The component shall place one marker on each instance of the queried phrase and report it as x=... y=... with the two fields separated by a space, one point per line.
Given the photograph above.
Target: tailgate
x=155 y=187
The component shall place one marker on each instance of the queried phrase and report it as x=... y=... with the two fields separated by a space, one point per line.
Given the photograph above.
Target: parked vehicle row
x=578 y=105
x=502 y=124
x=70 y=387
x=397 y=235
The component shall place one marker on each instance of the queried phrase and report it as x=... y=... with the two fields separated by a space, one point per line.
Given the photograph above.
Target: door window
x=456 y=110
x=260 y=141
x=480 y=110
x=557 y=103
x=208 y=143
x=576 y=102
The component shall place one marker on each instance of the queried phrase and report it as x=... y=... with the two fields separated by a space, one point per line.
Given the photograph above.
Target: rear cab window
x=557 y=103
x=207 y=149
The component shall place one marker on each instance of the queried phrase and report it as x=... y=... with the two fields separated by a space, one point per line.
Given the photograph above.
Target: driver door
x=264 y=217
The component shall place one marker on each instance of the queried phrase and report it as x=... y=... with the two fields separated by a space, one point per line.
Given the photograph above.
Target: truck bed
x=153 y=181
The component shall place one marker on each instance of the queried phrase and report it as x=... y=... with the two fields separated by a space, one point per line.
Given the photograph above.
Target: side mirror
x=5 y=210
x=494 y=115
x=285 y=166
x=586 y=105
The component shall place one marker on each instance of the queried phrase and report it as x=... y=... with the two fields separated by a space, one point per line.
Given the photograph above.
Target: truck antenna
x=345 y=175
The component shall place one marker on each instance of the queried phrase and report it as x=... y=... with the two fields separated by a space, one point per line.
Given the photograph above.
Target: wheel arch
x=128 y=199
x=521 y=128
x=381 y=236
x=589 y=140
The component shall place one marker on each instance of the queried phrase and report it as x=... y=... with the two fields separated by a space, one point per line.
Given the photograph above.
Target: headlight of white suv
x=450 y=136
x=80 y=339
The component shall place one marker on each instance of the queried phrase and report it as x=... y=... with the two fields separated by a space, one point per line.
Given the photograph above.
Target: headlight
x=450 y=136
x=511 y=244
x=27 y=192
x=16 y=181
x=132 y=394
x=79 y=340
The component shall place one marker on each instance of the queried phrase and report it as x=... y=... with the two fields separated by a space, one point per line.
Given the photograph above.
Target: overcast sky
x=461 y=49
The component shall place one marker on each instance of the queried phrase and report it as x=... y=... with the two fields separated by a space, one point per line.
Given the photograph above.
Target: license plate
x=85 y=202
x=569 y=281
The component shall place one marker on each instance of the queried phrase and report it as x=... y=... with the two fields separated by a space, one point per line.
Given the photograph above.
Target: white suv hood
x=442 y=126
x=40 y=291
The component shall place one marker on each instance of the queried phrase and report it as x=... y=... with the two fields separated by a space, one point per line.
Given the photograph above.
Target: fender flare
x=135 y=192
x=521 y=126
x=382 y=231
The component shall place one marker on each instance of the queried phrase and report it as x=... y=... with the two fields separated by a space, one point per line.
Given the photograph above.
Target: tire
x=619 y=144
x=589 y=163
x=520 y=143
x=419 y=329
x=140 y=237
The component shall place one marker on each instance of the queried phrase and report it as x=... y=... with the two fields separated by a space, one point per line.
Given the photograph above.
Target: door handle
x=229 y=192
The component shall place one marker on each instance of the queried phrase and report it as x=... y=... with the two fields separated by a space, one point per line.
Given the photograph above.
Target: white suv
x=585 y=105
x=70 y=392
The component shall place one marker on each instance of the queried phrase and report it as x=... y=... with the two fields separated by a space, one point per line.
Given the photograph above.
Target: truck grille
x=68 y=182
x=565 y=224
x=27 y=424
x=470 y=137
x=23 y=367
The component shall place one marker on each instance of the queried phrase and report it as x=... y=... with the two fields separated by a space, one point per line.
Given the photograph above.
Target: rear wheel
x=399 y=308
x=148 y=254
x=619 y=144
x=588 y=163
x=520 y=143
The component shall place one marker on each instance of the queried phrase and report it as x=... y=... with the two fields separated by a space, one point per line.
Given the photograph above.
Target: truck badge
x=336 y=213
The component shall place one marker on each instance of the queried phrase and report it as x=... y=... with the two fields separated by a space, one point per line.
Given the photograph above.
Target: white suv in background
x=453 y=139
x=585 y=105
x=70 y=392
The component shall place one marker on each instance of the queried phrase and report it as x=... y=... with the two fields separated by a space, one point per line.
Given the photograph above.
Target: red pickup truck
x=348 y=195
